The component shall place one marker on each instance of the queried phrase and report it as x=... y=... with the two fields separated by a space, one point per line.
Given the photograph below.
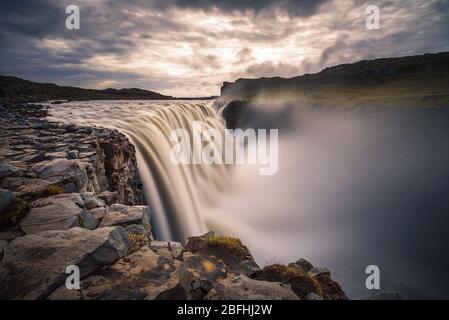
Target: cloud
x=189 y=47
x=269 y=69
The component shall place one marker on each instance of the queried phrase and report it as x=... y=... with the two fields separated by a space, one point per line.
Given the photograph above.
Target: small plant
x=137 y=240
x=53 y=189
x=232 y=244
x=81 y=222
x=50 y=190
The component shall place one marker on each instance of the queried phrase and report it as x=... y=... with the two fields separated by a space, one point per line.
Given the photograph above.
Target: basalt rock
x=34 y=265
x=141 y=275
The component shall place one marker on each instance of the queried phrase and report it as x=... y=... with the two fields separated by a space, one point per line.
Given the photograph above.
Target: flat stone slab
x=244 y=288
x=34 y=265
x=126 y=215
x=141 y=275
x=59 y=212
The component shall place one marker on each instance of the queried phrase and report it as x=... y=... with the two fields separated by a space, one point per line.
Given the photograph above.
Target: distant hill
x=406 y=81
x=13 y=89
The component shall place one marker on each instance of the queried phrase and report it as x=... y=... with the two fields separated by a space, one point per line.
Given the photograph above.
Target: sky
x=188 y=48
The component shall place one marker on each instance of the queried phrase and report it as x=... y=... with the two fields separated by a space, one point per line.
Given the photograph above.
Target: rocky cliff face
x=404 y=81
x=70 y=196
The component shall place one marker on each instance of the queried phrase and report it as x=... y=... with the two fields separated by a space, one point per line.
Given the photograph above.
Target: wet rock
x=12 y=208
x=38 y=261
x=10 y=170
x=244 y=288
x=93 y=203
x=141 y=275
x=198 y=274
x=126 y=215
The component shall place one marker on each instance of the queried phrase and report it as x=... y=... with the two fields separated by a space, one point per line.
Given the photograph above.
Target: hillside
x=406 y=81
x=13 y=89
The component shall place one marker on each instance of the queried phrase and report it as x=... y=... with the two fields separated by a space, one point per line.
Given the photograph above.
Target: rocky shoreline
x=72 y=196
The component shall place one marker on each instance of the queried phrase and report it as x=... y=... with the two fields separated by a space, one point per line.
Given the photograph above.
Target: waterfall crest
x=177 y=194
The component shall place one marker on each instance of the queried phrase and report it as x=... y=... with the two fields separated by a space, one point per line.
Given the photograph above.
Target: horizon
x=232 y=81
x=189 y=48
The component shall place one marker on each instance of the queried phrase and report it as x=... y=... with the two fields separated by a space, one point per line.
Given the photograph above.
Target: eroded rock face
x=141 y=275
x=34 y=265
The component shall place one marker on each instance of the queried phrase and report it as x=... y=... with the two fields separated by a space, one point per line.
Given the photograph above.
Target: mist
x=354 y=188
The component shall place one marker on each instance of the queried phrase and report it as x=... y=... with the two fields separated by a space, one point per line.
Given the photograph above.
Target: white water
x=350 y=191
x=177 y=194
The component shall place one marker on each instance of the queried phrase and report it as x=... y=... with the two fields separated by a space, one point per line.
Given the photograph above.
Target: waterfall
x=177 y=194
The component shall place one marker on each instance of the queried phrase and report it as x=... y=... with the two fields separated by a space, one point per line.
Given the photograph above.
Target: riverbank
x=72 y=195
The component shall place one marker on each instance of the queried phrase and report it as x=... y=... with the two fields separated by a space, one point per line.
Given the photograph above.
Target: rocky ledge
x=71 y=196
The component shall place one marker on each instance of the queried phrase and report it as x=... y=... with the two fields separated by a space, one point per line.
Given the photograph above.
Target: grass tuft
x=228 y=243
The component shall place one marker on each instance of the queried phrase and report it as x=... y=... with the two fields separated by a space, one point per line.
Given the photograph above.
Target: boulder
x=301 y=284
x=38 y=262
x=319 y=271
x=93 y=203
x=109 y=197
x=244 y=288
x=198 y=274
x=234 y=254
x=119 y=214
x=141 y=275
x=12 y=208
x=304 y=264
x=25 y=186
x=330 y=289
x=59 y=212
x=98 y=213
x=172 y=250
x=198 y=242
x=9 y=170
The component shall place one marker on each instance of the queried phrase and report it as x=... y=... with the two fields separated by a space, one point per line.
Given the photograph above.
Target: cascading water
x=177 y=193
